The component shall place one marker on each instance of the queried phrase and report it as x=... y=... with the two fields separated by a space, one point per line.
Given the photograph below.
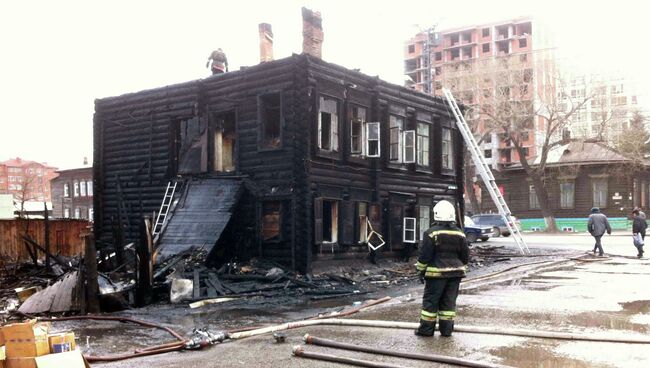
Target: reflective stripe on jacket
x=444 y=252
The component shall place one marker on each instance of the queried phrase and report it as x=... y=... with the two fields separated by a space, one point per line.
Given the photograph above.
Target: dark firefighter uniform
x=444 y=255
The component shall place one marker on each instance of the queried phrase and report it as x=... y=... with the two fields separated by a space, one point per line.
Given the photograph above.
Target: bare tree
x=529 y=109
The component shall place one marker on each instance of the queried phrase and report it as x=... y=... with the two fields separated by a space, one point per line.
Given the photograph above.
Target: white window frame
x=82 y=188
x=370 y=139
x=66 y=213
x=77 y=213
x=66 y=190
x=410 y=153
x=91 y=214
x=75 y=189
x=424 y=221
x=89 y=188
x=409 y=227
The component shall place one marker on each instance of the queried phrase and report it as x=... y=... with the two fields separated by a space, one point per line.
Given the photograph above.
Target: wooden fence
x=65 y=237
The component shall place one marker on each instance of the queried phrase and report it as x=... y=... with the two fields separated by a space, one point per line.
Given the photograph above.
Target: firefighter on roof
x=444 y=254
x=219 y=62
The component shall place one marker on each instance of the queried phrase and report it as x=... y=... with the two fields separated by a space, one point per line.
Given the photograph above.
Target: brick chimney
x=312 y=33
x=266 y=42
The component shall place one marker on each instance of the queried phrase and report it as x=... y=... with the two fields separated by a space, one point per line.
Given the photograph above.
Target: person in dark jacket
x=642 y=216
x=597 y=227
x=444 y=254
x=639 y=225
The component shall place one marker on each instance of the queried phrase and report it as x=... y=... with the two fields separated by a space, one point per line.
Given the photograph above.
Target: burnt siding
x=344 y=177
x=133 y=137
x=516 y=186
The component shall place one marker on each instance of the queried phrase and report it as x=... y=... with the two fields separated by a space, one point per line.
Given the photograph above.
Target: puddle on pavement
x=540 y=355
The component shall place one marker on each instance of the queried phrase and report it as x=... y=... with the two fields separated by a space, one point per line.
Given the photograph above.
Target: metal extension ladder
x=485 y=172
x=164 y=208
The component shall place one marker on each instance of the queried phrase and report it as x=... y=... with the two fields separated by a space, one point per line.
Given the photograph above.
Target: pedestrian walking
x=444 y=254
x=597 y=227
x=639 y=225
x=642 y=215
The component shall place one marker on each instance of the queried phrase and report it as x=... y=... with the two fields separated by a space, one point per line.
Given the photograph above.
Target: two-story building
x=72 y=194
x=294 y=160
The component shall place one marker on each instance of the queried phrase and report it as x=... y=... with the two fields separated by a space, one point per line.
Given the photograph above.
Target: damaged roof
x=200 y=216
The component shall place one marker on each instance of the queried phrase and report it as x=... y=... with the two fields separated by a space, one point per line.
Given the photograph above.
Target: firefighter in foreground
x=444 y=254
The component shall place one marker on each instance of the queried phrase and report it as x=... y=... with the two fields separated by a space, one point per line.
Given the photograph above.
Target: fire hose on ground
x=400 y=354
x=182 y=343
x=460 y=328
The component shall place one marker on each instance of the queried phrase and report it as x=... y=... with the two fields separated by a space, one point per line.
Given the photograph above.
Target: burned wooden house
x=294 y=160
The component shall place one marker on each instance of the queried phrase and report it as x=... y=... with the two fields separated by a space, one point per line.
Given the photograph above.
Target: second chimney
x=312 y=33
x=266 y=42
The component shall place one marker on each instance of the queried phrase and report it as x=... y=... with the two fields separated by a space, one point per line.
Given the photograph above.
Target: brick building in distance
x=72 y=194
x=471 y=62
x=26 y=180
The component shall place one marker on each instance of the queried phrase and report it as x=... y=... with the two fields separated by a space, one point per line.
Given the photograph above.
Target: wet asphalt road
x=611 y=295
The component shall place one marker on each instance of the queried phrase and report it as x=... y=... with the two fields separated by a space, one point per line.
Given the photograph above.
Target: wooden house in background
x=294 y=160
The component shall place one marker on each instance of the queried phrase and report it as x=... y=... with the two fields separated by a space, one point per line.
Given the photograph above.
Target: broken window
x=270 y=115
x=271 y=212
x=409 y=146
x=223 y=141
x=362 y=210
x=330 y=221
x=447 y=150
x=372 y=140
x=409 y=231
x=486 y=47
x=396 y=126
x=567 y=193
x=425 y=219
x=328 y=125
x=423 y=144
x=356 y=130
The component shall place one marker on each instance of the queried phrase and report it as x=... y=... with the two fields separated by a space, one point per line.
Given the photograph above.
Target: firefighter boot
x=446 y=327
x=427 y=328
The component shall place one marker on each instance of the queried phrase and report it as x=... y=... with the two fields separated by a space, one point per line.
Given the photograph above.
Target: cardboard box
x=70 y=359
x=20 y=363
x=61 y=342
x=26 y=340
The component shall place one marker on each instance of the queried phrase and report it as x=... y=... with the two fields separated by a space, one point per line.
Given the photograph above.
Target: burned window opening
x=271 y=221
x=270 y=115
x=328 y=125
x=330 y=221
x=223 y=143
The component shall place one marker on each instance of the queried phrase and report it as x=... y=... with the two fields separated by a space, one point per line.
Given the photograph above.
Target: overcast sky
x=58 y=56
